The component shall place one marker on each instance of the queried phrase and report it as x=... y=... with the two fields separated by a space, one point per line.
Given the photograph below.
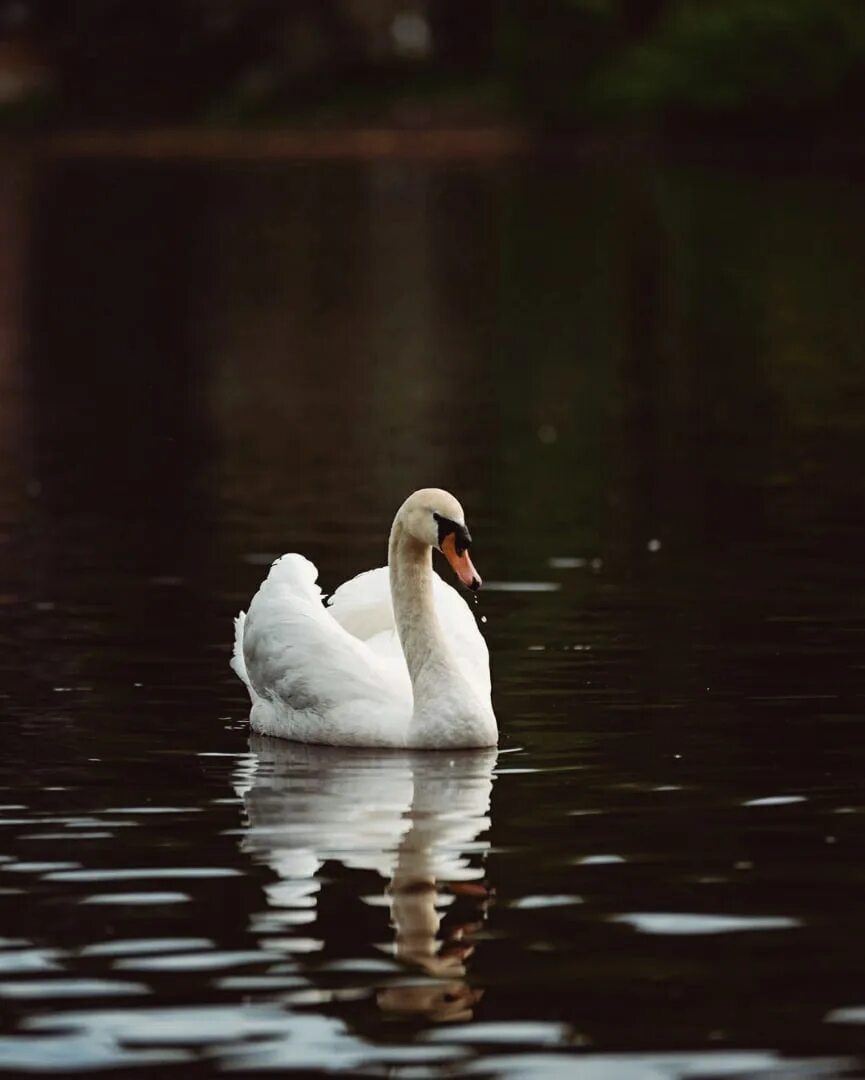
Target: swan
x=394 y=659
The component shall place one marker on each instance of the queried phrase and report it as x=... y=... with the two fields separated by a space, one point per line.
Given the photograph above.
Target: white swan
x=395 y=658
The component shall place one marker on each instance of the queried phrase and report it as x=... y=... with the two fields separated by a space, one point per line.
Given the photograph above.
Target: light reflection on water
x=646 y=387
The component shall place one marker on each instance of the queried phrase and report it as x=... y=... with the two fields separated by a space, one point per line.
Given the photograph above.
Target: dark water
x=647 y=387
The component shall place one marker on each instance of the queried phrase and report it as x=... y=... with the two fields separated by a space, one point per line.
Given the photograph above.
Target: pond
x=645 y=383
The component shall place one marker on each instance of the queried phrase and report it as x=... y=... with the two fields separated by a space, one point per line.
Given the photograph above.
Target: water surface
x=646 y=386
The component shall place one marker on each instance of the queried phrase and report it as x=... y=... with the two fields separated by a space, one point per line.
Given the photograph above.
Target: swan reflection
x=416 y=819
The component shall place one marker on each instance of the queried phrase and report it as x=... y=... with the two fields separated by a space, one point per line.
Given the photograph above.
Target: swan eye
x=462 y=537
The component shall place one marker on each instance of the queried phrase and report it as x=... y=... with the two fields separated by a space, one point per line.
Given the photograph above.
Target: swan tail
x=298 y=574
x=237 y=662
x=291 y=578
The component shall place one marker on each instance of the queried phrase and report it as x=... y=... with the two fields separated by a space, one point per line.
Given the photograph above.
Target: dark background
x=741 y=66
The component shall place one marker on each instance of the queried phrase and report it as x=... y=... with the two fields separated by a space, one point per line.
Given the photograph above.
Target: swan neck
x=447 y=711
x=411 y=586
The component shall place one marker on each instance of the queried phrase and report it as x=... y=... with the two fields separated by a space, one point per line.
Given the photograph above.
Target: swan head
x=434 y=517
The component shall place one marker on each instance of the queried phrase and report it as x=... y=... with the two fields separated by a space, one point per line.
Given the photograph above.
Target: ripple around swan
x=78 y=1053
x=530 y=1034
x=522 y=586
x=24 y=867
x=529 y=903
x=149 y=873
x=17 y=961
x=853 y=1014
x=181 y=1026
x=676 y=923
x=144 y=946
x=198 y=961
x=46 y=989
x=281 y=1039
x=137 y=898
x=686 y=1065
x=776 y=800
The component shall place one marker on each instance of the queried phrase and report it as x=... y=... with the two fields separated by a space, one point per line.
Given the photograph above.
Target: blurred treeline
x=556 y=64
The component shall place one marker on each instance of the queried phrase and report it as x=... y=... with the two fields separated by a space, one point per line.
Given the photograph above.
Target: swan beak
x=461 y=564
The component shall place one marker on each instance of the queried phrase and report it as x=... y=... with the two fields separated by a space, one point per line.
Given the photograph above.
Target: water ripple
x=676 y=923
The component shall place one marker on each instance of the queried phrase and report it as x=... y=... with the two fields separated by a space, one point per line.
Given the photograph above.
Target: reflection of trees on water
x=120 y=440
x=252 y=358
x=15 y=179
x=382 y=322
x=333 y=352
x=414 y=819
x=592 y=357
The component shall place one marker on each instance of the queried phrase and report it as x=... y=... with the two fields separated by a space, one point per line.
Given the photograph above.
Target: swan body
x=395 y=658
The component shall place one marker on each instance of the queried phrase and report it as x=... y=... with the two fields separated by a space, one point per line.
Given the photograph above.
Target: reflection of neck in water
x=414 y=908
x=414 y=818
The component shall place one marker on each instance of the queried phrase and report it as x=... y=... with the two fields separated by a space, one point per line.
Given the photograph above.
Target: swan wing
x=311 y=679
x=363 y=607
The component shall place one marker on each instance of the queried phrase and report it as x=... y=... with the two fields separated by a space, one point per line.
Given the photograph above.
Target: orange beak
x=461 y=564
